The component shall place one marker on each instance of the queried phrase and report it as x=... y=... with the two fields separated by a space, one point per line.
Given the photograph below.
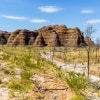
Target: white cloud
x=38 y=20
x=94 y=21
x=87 y=11
x=13 y=17
x=49 y=9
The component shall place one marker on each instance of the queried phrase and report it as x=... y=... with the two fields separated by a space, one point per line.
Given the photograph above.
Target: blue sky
x=33 y=14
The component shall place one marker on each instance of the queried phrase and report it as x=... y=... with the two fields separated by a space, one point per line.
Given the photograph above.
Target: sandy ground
x=78 y=68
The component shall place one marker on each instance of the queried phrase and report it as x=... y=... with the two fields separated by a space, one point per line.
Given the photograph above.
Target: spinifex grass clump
x=76 y=81
x=0 y=81
x=26 y=75
x=78 y=96
x=8 y=71
x=20 y=85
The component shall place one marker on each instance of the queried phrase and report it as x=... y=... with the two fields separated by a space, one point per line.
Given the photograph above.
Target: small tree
x=64 y=40
x=88 y=33
x=97 y=49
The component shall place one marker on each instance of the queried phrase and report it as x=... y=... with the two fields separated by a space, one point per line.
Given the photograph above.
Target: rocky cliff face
x=21 y=38
x=60 y=35
x=53 y=35
x=4 y=35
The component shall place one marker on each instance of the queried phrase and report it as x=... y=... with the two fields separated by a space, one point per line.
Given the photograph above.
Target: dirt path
x=79 y=68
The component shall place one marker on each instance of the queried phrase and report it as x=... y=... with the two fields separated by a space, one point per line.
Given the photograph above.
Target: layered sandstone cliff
x=52 y=35
x=60 y=35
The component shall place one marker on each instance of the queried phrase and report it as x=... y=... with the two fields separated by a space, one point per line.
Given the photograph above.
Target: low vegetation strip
x=29 y=76
x=19 y=67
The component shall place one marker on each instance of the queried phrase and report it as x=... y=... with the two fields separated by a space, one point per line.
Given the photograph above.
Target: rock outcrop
x=89 y=41
x=4 y=35
x=60 y=35
x=53 y=35
x=21 y=38
x=51 y=88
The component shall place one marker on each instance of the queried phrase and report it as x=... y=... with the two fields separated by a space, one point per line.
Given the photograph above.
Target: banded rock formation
x=53 y=35
x=21 y=38
x=60 y=35
x=4 y=35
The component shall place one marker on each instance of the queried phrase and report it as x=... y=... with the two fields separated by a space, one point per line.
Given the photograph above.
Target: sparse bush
x=76 y=81
x=20 y=85
x=78 y=97
x=15 y=84
x=6 y=56
x=0 y=81
x=26 y=75
x=8 y=71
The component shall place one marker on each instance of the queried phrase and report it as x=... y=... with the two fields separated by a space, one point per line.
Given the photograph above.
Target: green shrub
x=8 y=71
x=0 y=81
x=20 y=85
x=15 y=84
x=6 y=57
x=76 y=81
x=26 y=75
x=78 y=97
